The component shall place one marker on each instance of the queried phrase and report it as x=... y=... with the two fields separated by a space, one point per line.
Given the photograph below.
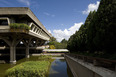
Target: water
x=58 y=67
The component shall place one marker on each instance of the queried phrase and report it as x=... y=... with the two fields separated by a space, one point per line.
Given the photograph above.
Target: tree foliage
x=98 y=32
x=58 y=45
x=52 y=47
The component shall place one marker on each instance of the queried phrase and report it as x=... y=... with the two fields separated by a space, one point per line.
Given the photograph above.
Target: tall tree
x=103 y=27
x=64 y=41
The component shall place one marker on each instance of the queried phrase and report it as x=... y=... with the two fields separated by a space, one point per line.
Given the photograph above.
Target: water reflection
x=59 y=69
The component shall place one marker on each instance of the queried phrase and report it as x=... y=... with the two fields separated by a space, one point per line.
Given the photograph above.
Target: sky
x=61 y=18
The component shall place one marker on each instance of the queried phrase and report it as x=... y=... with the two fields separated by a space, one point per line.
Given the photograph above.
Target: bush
x=45 y=57
x=52 y=47
x=19 y=26
x=29 y=69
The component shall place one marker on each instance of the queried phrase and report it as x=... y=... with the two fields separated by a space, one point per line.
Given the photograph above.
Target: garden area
x=29 y=69
x=36 y=66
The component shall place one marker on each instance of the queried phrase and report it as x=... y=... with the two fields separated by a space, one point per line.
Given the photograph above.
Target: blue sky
x=61 y=17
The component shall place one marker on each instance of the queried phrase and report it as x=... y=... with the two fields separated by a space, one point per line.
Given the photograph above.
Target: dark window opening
x=3 y=22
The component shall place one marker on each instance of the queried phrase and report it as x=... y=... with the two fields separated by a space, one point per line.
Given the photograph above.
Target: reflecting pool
x=58 y=67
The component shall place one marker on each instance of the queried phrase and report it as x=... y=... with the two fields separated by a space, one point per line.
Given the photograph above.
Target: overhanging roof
x=22 y=11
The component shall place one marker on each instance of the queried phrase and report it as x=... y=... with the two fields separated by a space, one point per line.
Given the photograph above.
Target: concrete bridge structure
x=36 y=36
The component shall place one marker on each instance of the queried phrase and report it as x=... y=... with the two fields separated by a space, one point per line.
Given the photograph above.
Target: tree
x=58 y=45
x=102 y=29
x=52 y=39
x=52 y=47
x=78 y=41
x=64 y=41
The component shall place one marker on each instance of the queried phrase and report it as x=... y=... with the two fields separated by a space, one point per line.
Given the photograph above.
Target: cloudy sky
x=60 y=17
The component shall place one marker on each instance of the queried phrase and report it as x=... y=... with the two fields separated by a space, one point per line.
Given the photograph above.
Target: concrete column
x=27 y=47
x=13 y=54
x=27 y=51
x=12 y=42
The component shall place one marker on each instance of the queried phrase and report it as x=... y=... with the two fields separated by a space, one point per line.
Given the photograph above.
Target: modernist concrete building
x=37 y=33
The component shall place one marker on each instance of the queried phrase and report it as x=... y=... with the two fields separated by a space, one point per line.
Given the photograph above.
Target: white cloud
x=48 y=14
x=91 y=7
x=49 y=31
x=26 y=2
x=61 y=34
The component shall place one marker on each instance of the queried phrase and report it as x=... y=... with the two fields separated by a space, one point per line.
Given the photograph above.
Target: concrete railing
x=38 y=31
x=84 y=66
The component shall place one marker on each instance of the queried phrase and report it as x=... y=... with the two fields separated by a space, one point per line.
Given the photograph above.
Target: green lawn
x=29 y=69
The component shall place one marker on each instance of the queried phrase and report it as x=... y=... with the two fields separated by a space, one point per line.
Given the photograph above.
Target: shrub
x=45 y=57
x=52 y=47
x=19 y=26
x=29 y=69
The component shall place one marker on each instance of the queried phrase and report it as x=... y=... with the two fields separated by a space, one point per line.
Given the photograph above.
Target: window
x=3 y=22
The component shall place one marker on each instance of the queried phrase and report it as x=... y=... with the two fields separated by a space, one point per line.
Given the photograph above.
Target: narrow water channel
x=58 y=67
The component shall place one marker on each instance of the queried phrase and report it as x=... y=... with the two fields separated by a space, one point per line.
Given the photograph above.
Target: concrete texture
x=83 y=69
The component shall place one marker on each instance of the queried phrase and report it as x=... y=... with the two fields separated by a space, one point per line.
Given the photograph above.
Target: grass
x=19 y=26
x=29 y=69
x=35 y=67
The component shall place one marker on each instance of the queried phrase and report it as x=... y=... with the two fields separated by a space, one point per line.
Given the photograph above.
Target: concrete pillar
x=27 y=43
x=12 y=42
x=13 y=54
x=27 y=52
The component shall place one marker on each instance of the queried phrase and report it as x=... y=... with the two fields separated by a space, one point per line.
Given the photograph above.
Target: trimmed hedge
x=29 y=69
x=19 y=26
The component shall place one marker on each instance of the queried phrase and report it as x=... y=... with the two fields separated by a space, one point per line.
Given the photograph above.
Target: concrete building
x=36 y=36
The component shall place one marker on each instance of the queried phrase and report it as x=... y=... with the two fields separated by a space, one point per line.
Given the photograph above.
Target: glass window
x=3 y=22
